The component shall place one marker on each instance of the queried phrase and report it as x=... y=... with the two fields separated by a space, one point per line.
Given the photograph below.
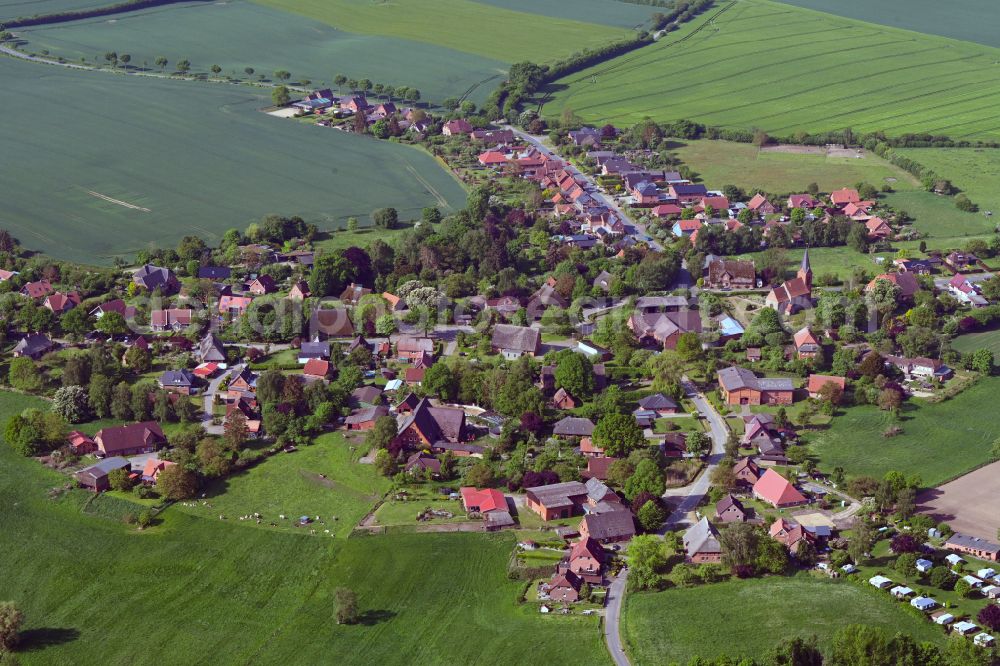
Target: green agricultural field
x=318 y=480
x=719 y=163
x=749 y=617
x=616 y=13
x=10 y=9
x=227 y=34
x=463 y=25
x=141 y=161
x=970 y=342
x=939 y=441
x=784 y=69
x=970 y=20
x=89 y=585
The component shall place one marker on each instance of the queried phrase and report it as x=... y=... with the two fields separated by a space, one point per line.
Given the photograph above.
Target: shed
x=901 y=591
x=923 y=566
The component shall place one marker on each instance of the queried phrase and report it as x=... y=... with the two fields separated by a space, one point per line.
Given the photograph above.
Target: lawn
x=198 y=157
x=970 y=342
x=459 y=24
x=939 y=441
x=785 y=69
x=971 y=20
x=228 y=34
x=255 y=595
x=293 y=485
x=749 y=617
x=719 y=163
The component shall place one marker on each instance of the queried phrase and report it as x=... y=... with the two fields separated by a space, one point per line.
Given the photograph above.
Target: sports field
x=785 y=69
x=136 y=161
x=970 y=20
x=749 y=617
x=939 y=441
x=97 y=592
x=228 y=34
x=487 y=30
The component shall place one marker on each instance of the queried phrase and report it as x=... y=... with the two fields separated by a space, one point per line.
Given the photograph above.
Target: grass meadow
x=939 y=441
x=785 y=69
x=749 y=617
x=139 y=161
x=975 y=171
x=970 y=20
x=322 y=479
x=720 y=163
x=95 y=591
x=228 y=34
x=486 y=30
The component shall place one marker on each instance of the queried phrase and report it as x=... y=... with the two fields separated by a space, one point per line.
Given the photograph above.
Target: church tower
x=805 y=270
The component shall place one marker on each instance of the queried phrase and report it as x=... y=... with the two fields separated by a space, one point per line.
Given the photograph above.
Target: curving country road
x=692 y=494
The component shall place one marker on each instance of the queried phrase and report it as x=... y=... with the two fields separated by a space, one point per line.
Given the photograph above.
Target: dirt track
x=970 y=504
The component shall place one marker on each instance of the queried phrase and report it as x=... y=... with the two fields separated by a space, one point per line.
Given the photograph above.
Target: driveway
x=208 y=398
x=612 y=618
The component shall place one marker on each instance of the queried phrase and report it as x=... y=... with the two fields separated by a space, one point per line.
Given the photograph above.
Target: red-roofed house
x=845 y=196
x=81 y=443
x=802 y=201
x=907 y=283
x=586 y=559
x=777 y=491
x=817 y=382
x=151 y=470
x=493 y=159
x=761 y=206
x=667 y=210
x=60 y=302
x=806 y=343
x=456 y=127
x=37 y=289
x=716 y=202
x=234 y=306
x=790 y=534
x=878 y=228
x=481 y=501
x=316 y=368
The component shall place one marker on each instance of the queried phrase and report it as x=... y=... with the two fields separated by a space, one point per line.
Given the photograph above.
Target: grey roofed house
x=366 y=414
x=331 y=323
x=214 y=272
x=574 y=426
x=598 y=491
x=735 y=378
x=155 y=277
x=614 y=526
x=314 y=349
x=604 y=280
x=177 y=379
x=557 y=495
x=367 y=395
x=33 y=345
x=657 y=402
x=96 y=476
x=516 y=339
x=650 y=303
x=211 y=349
x=701 y=537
